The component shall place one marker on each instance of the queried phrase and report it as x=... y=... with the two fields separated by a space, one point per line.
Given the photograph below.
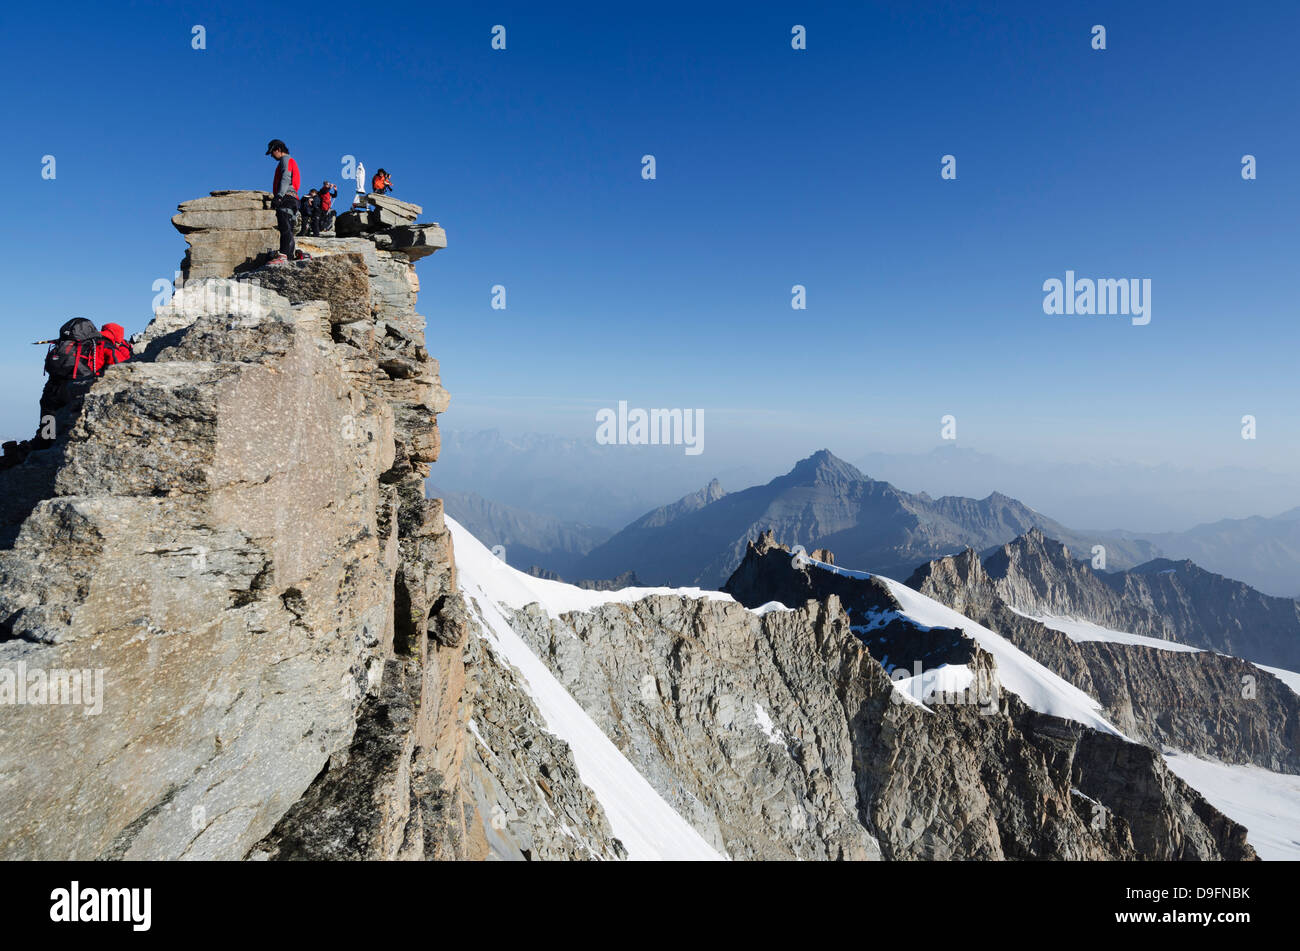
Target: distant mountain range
x=1098 y=494
x=1262 y=551
x=578 y=483
x=824 y=502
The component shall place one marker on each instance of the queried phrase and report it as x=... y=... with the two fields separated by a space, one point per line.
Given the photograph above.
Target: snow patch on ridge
x=1019 y=673
x=515 y=589
x=1289 y=677
x=1081 y=631
x=951 y=679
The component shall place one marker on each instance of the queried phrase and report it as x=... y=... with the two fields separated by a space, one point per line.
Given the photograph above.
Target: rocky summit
x=232 y=626
x=232 y=232
x=232 y=530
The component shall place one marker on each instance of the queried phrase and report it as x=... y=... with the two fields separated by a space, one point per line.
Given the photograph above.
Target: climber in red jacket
x=113 y=348
x=284 y=199
x=323 y=220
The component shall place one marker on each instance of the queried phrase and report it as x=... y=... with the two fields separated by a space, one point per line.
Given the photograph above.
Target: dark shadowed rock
x=416 y=241
x=341 y=280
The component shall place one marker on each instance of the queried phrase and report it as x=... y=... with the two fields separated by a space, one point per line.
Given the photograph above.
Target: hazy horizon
x=1173 y=498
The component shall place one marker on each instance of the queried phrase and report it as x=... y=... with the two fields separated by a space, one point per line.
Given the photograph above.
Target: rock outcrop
x=234 y=232
x=1172 y=600
x=392 y=225
x=231 y=531
x=681 y=685
x=982 y=780
x=228 y=232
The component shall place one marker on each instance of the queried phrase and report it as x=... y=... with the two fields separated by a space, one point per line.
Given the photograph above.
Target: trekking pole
x=37 y=343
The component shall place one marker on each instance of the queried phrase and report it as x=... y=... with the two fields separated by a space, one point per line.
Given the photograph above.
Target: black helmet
x=276 y=144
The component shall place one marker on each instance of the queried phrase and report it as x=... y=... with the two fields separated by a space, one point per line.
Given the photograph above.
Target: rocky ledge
x=234 y=232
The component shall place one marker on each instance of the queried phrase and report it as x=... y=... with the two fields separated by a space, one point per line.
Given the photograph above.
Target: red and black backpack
x=72 y=356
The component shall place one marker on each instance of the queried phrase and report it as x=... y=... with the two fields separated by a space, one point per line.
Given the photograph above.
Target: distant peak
x=705 y=496
x=823 y=466
x=1035 y=539
x=687 y=504
x=1163 y=565
x=1031 y=547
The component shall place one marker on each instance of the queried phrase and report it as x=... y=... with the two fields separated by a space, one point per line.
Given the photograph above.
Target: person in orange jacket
x=382 y=183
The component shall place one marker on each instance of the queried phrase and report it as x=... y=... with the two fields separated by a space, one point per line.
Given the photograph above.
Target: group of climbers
x=317 y=209
x=81 y=353
x=312 y=212
x=77 y=356
x=75 y=359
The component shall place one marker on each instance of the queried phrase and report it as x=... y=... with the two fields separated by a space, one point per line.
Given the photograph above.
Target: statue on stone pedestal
x=360 y=200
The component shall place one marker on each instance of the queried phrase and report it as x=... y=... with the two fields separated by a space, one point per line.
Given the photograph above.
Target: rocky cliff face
x=990 y=779
x=1176 y=601
x=229 y=542
x=1201 y=702
x=231 y=532
x=1031 y=784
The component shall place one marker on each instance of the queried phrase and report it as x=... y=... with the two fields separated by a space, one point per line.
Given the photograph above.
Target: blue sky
x=774 y=168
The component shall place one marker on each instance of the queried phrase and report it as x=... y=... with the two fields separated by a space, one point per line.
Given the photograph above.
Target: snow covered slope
x=1019 y=673
x=648 y=827
x=1078 y=630
x=516 y=589
x=1289 y=677
x=1043 y=690
x=498 y=583
x=638 y=815
x=1266 y=803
